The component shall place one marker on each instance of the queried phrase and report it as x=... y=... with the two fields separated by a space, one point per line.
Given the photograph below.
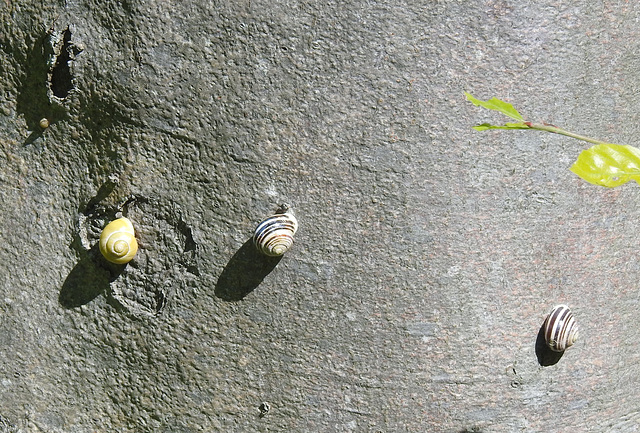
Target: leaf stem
x=556 y=130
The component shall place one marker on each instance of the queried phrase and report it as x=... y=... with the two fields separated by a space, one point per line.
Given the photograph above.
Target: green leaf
x=485 y=126
x=608 y=164
x=497 y=105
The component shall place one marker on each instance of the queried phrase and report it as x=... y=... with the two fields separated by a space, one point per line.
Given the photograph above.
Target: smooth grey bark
x=428 y=254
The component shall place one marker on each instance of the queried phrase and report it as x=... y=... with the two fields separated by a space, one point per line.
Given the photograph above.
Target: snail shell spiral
x=118 y=242
x=560 y=329
x=274 y=235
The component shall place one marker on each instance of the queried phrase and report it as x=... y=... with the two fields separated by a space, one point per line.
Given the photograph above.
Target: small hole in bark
x=61 y=83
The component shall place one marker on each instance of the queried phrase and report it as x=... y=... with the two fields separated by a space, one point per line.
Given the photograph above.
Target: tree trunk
x=427 y=255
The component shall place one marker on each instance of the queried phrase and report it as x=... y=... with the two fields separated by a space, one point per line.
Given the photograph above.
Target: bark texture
x=428 y=254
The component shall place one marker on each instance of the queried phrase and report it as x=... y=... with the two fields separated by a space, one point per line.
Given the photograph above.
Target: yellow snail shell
x=274 y=236
x=44 y=123
x=118 y=243
x=560 y=329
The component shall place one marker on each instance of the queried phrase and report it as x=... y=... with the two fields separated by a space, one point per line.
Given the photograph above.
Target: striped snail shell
x=274 y=235
x=118 y=242
x=560 y=329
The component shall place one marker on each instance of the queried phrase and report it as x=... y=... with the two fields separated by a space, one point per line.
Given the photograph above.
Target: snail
x=264 y=408
x=44 y=123
x=274 y=235
x=560 y=329
x=118 y=242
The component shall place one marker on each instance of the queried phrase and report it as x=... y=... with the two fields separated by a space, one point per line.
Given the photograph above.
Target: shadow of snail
x=244 y=272
x=88 y=279
x=258 y=256
x=101 y=265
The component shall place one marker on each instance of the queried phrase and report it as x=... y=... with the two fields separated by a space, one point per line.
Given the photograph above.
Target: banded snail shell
x=274 y=235
x=118 y=243
x=560 y=329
